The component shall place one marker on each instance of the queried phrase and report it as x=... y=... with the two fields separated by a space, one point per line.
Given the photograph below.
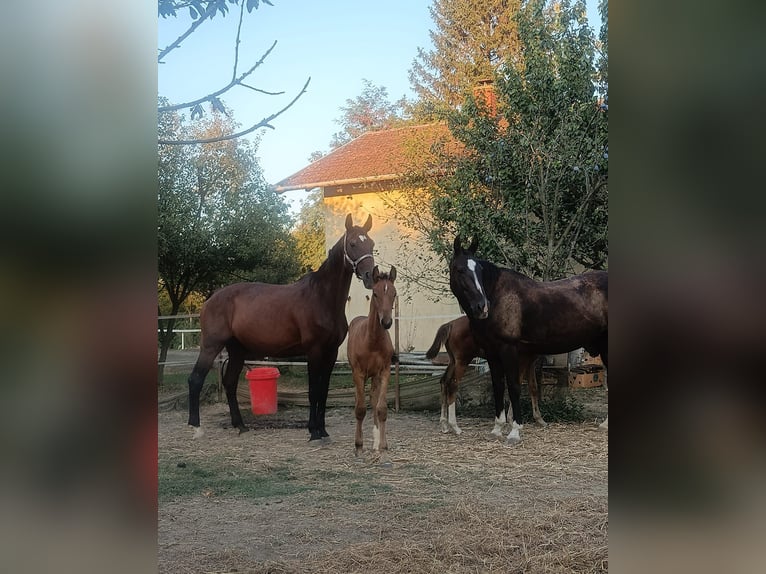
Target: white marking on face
x=472 y=267
x=385 y=288
x=362 y=238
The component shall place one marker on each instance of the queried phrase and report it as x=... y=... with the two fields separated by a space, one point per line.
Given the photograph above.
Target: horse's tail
x=442 y=334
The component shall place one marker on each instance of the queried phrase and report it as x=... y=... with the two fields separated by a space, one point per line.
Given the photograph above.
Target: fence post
x=396 y=351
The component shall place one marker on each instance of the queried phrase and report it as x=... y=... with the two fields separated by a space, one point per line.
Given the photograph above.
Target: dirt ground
x=270 y=501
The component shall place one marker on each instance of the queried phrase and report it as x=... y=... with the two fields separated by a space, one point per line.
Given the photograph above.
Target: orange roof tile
x=374 y=156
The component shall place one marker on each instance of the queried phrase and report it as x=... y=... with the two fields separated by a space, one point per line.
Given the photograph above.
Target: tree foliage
x=309 y=232
x=218 y=219
x=472 y=39
x=370 y=111
x=533 y=181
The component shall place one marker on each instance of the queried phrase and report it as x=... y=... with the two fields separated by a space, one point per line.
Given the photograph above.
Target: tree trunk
x=166 y=338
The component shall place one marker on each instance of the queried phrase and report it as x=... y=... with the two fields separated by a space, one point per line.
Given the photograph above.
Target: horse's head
x=357 y=249
x=383 y=295
x=466 y=282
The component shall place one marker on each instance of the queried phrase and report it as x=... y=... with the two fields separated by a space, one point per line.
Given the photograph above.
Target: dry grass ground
x=269 y=501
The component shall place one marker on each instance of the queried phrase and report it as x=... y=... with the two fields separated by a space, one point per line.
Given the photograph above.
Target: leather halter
x=351 y=261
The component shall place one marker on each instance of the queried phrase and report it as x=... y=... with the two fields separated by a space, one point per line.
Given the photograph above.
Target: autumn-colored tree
x=472 y=39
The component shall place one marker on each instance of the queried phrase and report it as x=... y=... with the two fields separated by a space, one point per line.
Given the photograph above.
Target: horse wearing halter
x=353 y=262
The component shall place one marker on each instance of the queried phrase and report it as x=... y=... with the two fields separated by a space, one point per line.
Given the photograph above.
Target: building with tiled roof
x=371 y=158
x=365 y=177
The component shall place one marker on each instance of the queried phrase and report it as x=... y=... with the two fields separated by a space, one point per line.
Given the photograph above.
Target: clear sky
x=336 y=43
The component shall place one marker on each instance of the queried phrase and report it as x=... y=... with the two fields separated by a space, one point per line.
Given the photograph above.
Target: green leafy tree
x=471 y=39
x=309 y=233
x=370 y=111
x=533 y=181
x=531 y=178
x=218 y=220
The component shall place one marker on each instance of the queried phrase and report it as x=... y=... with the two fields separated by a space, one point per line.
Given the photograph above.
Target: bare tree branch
x=261 y=91
x=236 y=44
x=181 y=38
x=264 y=123
x=235 y=81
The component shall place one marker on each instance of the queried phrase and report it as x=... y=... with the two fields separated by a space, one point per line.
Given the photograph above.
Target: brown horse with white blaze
x=462 y=349
x=308 y=317
x=370 y=352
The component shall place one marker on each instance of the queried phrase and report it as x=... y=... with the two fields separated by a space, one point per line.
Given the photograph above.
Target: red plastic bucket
x=263 y=389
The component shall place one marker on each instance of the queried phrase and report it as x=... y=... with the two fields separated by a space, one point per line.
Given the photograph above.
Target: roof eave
x=311 y=185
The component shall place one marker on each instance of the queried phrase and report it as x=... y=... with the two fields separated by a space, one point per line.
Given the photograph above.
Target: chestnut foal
x=370 y=352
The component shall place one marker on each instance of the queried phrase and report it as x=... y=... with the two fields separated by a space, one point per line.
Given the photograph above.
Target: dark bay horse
x=255 y=320
x=509 y=311
x=461 y=348
x=370 y=351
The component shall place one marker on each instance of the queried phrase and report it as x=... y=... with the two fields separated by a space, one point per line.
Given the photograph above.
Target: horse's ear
x=456 y=244
x=349 y=222
x=375 y=274
x=392 y=274
x=367 y=224
x=474 y=244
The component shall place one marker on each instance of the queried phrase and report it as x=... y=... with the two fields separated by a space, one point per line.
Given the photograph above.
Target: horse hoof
x=242 y=429
x=325 y=440
x=458 y=431
x=198 y=433
x=512 y=441
x=542 y=423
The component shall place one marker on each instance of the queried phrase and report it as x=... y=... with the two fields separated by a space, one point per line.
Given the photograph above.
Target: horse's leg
x=445 y=381
x=527 y=364
x=452 y=387
x=498 y=391
x=380 y=407
x=230 y=383
x=320 y=365
x=360 y=410
x=329 y=365
x=511 y=368
x=196 y=379
x=603 y=352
